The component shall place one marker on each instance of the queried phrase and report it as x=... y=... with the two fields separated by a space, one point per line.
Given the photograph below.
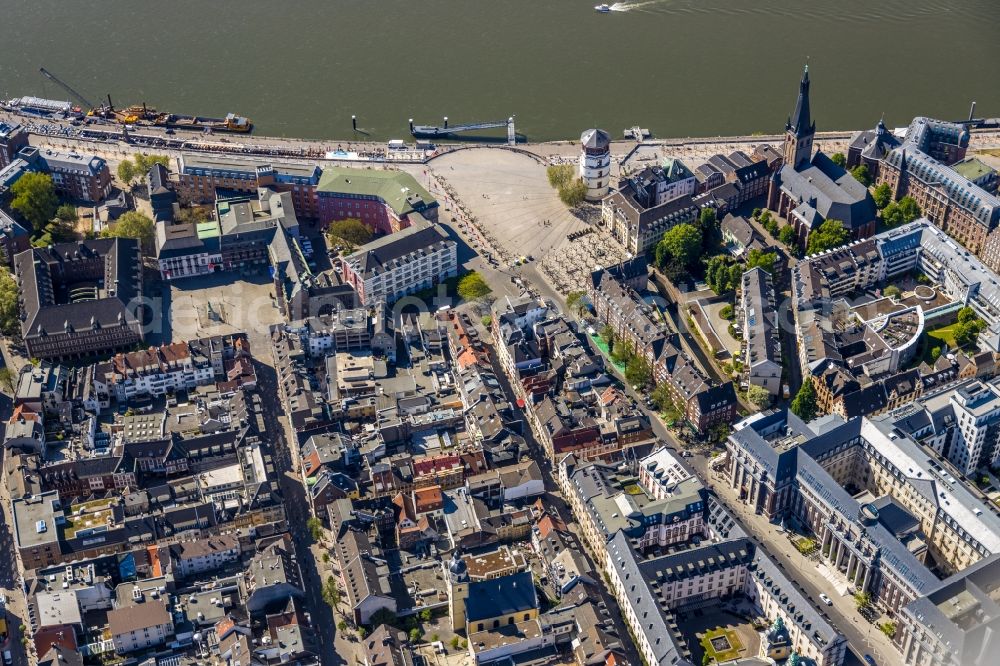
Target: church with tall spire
x=800 y=127
x=810 y=188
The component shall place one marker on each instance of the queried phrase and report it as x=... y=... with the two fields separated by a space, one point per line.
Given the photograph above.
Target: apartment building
x=393 y=266
x=12 y=139
x=78 y=176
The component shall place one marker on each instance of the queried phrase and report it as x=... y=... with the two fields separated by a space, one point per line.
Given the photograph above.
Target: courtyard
x=721 y=634
x=218 y=304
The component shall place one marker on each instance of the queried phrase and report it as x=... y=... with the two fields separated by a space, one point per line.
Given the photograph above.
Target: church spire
x=800 y=128
x=801 y=120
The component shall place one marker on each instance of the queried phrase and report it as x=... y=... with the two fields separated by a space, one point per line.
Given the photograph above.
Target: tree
x=7 y=379
x=342 y=626
x=892 y=291
x=362 y=633
x=193 y=215
x=10 y=324
x=711 y=235
x=66 y=213
x=134 y=224
x=679 y=250
x=935 y=354
x=862 y=175
x=143 y=163
x=330 y=592
x=756 y=213
x=126 y=172
x=830 y=234
x=727 y=311
x=384 y=616
x=352 y=230
x=315 y=527
x=764 y=260
x=771 y=226
x=966 y=333
x=637 y=371
x=839 y=159
x=900 y=212
x=804 y=403
x=415 y=635
x=425 y=615
x=472 y=287
x=573 y=193
x=966 y=314
x=718 y=274
x=34 y=197
x=787 y=235
x=888 y=628
x=486 y=321
x=455 y=642
x=759 y=396
x=882 y=195
x=862 y=600
x=560 y=174
x=575 y=302
x=607 y=334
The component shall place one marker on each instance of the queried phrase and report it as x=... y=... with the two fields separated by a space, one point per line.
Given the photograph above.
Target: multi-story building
x=12 y=139
x=919 y=168
x=79 y=299
x=14 y=238
x=74 y=175
x=758 y=317
x=810 y=189
x=638 y=326
x=200 y=176
x=978 y=173
x=957 y=623
x=383 y=200
x=747 y=176
x=784 y=468
x=595 y=163
x=393 y=266
x=638 y=227
x=198 y=556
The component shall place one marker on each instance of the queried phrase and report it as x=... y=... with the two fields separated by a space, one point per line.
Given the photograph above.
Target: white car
x=826 y=600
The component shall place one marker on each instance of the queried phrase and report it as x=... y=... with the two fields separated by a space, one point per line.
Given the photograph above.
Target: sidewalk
x=863 y=636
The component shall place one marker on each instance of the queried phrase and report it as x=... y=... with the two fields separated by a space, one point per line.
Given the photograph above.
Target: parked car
x=870 y=660
x=826 y=600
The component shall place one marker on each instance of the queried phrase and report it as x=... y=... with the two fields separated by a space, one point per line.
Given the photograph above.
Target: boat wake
x=630 y=6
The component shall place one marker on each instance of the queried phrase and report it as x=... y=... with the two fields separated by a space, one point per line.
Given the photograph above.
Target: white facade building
x=595 y=163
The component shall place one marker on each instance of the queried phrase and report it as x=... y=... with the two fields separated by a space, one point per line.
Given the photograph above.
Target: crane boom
x=65 y=86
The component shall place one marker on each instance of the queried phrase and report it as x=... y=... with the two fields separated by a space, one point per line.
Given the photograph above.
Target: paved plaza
x=507 y=194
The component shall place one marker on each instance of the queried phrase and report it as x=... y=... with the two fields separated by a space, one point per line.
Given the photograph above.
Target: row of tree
x=130 y=171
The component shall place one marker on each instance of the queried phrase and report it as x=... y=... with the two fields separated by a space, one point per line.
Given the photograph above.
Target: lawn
x=944 y=334
x=726 y=640
x=603 y=346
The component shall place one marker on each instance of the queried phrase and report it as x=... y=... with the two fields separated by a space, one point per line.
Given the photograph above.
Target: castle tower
x=800 y=129
x=458 y=590
x=595 y=163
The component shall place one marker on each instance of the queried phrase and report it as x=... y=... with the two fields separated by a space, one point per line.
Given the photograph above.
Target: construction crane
x=87 y=105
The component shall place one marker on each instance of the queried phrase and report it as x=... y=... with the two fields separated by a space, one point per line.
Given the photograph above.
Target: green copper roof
x=207 y=230
x=399 y=190
x=971 y=168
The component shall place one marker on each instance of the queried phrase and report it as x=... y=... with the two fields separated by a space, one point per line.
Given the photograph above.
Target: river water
x=678 y=67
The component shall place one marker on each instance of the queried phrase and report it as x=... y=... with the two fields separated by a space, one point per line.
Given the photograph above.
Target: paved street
x=862 y=636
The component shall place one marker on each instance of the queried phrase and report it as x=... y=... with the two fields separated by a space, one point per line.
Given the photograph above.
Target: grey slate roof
x=830 y=190
x=41 y=273
x=384 y=254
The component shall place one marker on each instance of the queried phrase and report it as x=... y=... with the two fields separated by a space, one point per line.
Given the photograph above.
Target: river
x=679 y=67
